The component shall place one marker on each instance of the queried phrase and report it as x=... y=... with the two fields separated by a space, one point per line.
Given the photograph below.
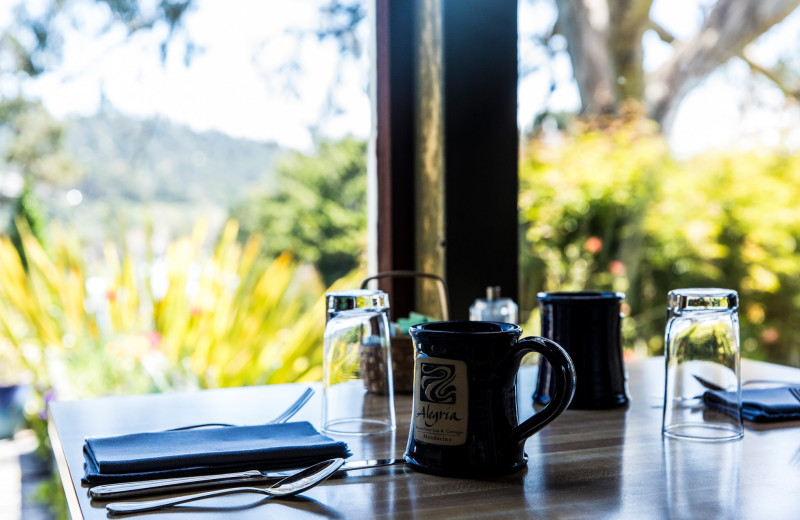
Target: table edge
x=73 y=503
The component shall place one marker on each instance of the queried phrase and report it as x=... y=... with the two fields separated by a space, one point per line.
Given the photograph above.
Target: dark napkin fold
x=166 y=454
x=758 y=404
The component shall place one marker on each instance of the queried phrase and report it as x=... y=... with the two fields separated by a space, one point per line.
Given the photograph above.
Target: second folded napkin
x=758 y=404
x=141 y=456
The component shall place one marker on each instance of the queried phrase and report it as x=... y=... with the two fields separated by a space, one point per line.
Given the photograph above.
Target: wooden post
x=447 y=145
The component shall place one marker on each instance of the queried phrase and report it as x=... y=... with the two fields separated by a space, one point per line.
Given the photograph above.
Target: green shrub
x=195 y=320
x=607 y=207
x=316 y=207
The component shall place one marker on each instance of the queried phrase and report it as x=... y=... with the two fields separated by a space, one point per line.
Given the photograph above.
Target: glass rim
x=703 y=299
x=370 y=426
x=465 y=327
x=714 y=432
x=359 y=313
x=579 y=296
x=350 y=299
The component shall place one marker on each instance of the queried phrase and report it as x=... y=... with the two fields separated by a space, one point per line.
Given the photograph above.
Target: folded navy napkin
x=165 y=454
x=758 y=404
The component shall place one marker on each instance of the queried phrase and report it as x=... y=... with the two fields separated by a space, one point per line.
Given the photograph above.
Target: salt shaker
x=493 y=307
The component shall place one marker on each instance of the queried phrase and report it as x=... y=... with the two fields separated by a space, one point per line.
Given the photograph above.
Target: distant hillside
x=154 y=160
x=139 y=173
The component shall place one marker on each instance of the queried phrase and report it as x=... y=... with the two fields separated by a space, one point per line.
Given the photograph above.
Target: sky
x=233 y=86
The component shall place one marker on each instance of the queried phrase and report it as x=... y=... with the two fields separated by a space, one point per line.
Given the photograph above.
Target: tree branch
x=755 y=67
x=662 y=32
x=730 y=26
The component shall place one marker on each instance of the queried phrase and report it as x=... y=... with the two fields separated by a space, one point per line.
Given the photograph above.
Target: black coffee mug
x=588 y=325
x=464 y=421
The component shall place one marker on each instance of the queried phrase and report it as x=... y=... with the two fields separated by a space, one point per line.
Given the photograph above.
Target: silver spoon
x=291 y=485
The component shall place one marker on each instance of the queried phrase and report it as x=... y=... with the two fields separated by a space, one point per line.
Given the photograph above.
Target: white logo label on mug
x=441 y=401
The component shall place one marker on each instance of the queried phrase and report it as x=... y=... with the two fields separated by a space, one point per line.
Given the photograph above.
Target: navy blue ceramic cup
x=588 y=325
x=464 y=420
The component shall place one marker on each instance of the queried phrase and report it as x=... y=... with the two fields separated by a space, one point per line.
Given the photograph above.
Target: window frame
x=479 y=139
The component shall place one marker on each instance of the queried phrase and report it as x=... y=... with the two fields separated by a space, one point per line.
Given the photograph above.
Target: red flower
x=770 y=335
x=593 y=245
x=616 y=267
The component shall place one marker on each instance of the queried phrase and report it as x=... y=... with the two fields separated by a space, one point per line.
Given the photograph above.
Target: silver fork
x=283 y=417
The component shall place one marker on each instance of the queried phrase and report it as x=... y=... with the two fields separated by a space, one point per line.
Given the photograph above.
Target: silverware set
x=175 y=485
x=291 y=485
x=284 y=483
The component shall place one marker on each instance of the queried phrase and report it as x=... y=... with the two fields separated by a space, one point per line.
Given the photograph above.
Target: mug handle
x=564 y=376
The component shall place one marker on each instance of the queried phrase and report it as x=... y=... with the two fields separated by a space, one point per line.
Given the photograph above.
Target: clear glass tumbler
x=702 y=344
x=358 y=393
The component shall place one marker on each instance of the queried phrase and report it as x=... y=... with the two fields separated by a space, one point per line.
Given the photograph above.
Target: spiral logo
x=436 y=383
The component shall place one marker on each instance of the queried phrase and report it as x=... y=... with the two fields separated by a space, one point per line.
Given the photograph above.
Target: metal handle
x=441 y=285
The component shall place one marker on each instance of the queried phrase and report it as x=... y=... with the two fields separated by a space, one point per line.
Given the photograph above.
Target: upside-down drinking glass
x=702 y=341
x=358 y=393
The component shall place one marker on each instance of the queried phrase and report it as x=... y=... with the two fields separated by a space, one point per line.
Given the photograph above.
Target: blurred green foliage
x=35 y=142
x=191 y=319
x=33 y=145
x=317 y=210
x=607 y=207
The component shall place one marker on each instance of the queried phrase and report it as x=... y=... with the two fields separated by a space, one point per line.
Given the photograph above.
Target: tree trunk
x=730 y=26
x=585 y=26
x=628 y=21
x=604 y=41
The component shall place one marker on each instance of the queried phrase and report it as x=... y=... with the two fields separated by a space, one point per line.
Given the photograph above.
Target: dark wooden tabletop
x=586 y=464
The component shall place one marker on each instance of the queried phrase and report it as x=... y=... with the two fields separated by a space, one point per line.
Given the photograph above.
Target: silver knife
x=180 y=484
